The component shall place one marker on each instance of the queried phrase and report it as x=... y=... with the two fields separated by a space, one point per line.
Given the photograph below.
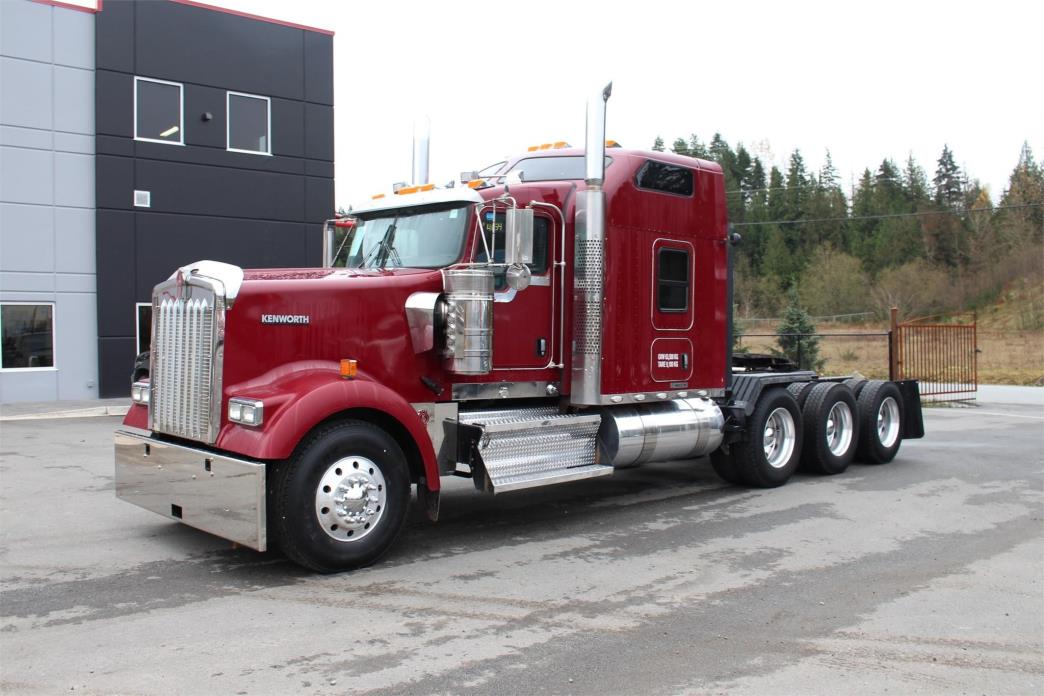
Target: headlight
x=246 y=411
x=140 y=393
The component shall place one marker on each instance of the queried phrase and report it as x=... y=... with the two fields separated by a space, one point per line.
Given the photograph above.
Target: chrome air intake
x=676 y=429
x=469 y=320
x=589 y=268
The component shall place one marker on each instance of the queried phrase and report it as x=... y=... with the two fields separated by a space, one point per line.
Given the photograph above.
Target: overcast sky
x=867 y=80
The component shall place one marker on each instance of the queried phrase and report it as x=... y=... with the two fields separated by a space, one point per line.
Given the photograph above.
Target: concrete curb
x=92 y=412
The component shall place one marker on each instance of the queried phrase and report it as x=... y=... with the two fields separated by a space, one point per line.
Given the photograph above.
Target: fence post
x=893 y=344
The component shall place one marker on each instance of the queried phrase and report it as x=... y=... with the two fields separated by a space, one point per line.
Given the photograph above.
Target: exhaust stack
x=589 y=270
x=421 y=145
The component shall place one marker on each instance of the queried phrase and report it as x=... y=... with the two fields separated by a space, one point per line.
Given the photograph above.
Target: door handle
x=541 y=347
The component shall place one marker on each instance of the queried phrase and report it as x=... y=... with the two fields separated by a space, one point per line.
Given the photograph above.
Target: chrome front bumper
x=217 y=494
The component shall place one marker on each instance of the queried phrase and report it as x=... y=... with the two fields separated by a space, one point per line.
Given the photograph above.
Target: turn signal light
x=349 y=368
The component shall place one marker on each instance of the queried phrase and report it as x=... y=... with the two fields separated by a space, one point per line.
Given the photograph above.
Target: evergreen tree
x=797 y=183
x=680 y=147
x=949 y=192
x=658 y=144
x=802 y=349
x=915 y=183
x=777 y=194
x=698 y=149
x=1025 y=224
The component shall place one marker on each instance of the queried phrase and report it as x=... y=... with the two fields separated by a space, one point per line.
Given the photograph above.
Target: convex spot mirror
x=517 y=277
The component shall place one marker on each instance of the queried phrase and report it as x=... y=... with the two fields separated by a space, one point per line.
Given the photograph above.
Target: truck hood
x=316 y=317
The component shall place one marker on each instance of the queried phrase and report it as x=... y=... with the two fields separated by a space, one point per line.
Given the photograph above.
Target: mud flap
x=913 y=420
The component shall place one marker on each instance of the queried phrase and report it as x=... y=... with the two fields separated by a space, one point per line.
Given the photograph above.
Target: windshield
x=428 y=237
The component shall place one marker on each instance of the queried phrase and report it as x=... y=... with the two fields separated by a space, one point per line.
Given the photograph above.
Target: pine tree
x=803 y=348
x=915 y=183
x=658 y=144
x=680 y=147
x=698 y=149
x=949 y=192
x=1023 y=225
x=797 y=183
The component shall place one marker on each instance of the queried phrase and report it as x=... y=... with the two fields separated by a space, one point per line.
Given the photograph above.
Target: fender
x=297 y=400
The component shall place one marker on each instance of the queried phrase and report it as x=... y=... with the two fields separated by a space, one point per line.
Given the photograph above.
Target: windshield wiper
x=385 y=249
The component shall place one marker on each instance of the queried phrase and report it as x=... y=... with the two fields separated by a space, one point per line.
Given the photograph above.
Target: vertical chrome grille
x=183 y=371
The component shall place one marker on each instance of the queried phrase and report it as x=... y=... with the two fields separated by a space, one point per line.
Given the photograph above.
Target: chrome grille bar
x=182 y=371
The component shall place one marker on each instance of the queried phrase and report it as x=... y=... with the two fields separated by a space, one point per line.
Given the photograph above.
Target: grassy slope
x=1010 y=338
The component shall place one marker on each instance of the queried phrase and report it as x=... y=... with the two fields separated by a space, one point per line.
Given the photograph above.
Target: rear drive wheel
x=880 y=422
x=831 y=428
x=770 y=455
x=800 y=391
x=340 y=501
x=856 y=384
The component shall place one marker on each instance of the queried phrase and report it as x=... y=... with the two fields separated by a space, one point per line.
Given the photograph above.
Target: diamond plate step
x=536 y=447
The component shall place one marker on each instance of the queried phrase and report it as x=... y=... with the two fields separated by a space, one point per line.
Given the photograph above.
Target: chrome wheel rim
x=350 y=499
x=779 y=438
x=839 y=429
x=888 y=422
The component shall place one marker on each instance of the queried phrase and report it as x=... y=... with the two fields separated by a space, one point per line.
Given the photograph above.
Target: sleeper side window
x=672 y=280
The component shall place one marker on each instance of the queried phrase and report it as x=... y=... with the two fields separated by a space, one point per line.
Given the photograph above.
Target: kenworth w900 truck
x=564 y=318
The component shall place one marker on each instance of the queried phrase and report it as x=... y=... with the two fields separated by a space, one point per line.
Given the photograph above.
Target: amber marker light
x=349 y=368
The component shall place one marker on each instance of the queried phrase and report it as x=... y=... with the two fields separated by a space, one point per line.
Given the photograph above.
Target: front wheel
x=341 y=500
x=772 y=450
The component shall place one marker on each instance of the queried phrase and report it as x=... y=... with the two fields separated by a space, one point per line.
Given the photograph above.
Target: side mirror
x=518 y=236
x=465 y=177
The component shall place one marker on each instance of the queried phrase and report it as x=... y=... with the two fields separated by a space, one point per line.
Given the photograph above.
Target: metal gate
x=943 y=358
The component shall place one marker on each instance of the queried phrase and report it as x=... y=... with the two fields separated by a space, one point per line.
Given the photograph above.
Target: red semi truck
x=565 y=317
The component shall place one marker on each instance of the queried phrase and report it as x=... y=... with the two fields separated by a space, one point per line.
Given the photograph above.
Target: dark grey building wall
x=206 y=202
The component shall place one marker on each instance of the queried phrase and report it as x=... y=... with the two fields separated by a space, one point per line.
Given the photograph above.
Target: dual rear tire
x=820 y=426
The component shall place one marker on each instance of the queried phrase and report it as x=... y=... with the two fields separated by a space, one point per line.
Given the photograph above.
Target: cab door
x=524 y=332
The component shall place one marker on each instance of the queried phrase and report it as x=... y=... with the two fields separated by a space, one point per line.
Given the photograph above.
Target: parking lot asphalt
x=919 y=576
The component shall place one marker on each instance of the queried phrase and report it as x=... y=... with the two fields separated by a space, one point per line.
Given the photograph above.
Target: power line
x=891 y=215
x=817 y=185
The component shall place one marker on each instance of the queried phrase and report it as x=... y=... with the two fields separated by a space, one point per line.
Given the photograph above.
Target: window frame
x=650 y=160
x=181 y=111
x=54 y=336
x=661 y=281
x=137 y=327
x=228 y=123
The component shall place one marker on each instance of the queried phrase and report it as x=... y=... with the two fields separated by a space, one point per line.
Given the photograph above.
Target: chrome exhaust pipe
x=421 y=146
x=589 y=262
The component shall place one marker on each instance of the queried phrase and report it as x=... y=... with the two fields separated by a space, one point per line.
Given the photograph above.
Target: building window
x=249 y=123
x=667 y=178
x=673 y=280
x=27 y=336
x=143 y=322
x=159 y=109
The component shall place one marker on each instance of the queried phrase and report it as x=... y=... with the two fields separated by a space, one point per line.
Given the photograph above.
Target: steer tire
x=753 y=464
x=366 y=467
x=831 y=428
x=880 y=422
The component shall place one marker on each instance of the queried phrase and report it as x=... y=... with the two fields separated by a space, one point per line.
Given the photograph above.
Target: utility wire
x=882 y=216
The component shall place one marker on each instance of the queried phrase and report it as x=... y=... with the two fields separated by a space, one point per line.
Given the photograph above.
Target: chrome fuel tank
x=676 y=429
